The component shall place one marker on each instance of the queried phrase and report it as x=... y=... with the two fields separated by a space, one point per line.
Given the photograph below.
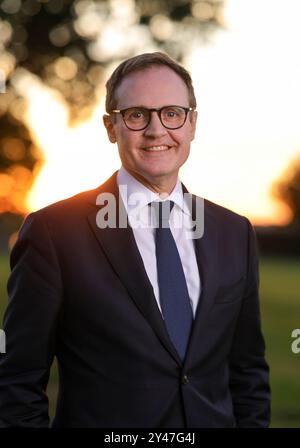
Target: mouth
x=157 y=148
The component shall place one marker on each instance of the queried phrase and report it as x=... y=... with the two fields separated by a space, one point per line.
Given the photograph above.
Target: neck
x=158 y=186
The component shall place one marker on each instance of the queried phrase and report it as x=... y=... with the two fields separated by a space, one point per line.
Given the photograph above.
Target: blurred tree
x=287 y=189
x=68 y=44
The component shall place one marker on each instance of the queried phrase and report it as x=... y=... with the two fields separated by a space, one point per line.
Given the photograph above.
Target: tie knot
x=162 y=211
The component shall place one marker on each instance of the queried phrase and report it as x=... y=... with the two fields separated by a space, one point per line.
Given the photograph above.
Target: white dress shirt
x=136 y=198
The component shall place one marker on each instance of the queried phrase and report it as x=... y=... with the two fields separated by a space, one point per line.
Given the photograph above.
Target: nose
x=155 y=128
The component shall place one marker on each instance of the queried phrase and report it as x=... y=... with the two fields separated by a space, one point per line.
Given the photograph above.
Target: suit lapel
x=206 y=249
x=122 y=252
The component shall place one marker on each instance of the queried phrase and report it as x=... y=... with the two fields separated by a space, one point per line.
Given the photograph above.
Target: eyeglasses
x=138 y=118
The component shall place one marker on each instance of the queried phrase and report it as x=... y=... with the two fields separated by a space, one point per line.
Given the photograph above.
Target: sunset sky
x=248 y=91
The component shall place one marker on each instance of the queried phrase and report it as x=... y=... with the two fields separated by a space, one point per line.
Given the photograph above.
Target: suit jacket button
x=185 y=379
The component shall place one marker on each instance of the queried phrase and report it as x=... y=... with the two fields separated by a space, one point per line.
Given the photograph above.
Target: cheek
x=183 y=140
x=127 y=144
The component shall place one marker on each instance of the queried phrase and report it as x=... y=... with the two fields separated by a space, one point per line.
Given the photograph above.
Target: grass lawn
x=280 y=306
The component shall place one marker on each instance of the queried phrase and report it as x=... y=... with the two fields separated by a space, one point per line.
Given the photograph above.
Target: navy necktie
x=173 y=292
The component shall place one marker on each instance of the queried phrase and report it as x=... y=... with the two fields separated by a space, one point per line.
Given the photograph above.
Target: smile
x=156 y=148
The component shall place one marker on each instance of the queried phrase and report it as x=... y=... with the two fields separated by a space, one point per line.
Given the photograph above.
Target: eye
x=172 y=113
x=135 y=114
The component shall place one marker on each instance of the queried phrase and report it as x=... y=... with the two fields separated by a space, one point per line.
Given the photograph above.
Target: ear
x=193 y=124
x=107 y=121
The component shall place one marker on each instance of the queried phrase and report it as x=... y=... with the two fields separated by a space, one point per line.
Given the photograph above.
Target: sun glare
x=75 y=158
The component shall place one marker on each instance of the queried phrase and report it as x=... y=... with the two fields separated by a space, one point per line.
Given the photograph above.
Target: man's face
x=155 y=154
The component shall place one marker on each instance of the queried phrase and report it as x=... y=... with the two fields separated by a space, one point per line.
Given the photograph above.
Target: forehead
x=153 y=87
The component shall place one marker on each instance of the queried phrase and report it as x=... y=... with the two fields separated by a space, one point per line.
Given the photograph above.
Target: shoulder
x=62 y=211
x=76 y=204
x=226 y=221
x=63 y=214
x=75 y=207
x=233 y=231
x=221 y=213
x=217 y=215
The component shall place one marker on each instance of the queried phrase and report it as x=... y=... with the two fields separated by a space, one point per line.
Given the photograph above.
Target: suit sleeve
x=249 y=372
x=30 y=321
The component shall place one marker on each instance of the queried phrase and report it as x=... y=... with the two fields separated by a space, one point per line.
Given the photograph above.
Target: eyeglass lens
x=170 y=116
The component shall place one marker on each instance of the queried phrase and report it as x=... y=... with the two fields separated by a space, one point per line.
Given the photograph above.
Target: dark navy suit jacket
x=82 y=294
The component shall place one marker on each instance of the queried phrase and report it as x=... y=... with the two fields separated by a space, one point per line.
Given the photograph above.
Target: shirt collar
x=136 y=196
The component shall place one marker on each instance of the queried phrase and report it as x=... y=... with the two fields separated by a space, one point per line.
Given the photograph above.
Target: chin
x=158 y=173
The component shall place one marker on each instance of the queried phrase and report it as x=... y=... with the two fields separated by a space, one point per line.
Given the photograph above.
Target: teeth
x=156 y=148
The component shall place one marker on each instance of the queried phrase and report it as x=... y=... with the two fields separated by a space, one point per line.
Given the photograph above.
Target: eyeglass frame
x=157 y=110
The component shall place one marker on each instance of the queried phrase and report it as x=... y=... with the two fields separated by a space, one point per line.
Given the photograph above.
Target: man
x=151 y=326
